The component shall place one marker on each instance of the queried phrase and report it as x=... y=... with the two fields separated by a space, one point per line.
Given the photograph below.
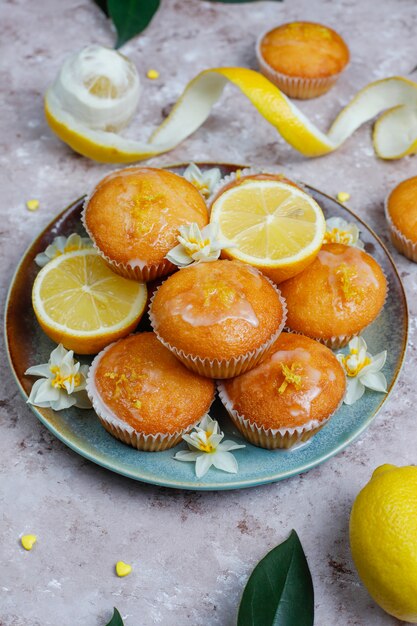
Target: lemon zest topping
x=292 y=376
x=137 y=404
x=346 y=276
x=220 y=290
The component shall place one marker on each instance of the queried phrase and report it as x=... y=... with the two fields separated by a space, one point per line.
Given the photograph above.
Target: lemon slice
x=273 y=226
x=82 y=304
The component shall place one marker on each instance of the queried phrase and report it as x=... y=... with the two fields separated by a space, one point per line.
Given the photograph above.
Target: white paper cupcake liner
x=223 y=368
x=134 y=272
x=404 y=245
x=272 y=438
x=293 y=86
x=123 y=431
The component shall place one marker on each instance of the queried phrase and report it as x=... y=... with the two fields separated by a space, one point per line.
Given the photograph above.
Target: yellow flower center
x=59 y=381
x=292 y=376
x=346 y=277
x=338 y=236
x=202 y=243
x=353 y=370
x=202 y=187
x=206 y=447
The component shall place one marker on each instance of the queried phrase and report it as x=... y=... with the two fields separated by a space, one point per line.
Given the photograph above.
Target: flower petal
x=354 y=391
x=203 y=464
x=57 y=355
x=178 y=256
x=225 y=461
x=357 y=343
x=377 y=363
x=186 y=455
x=63 y=402
x=375 y=381
x=230 y=445
x=82 y=401
x=39 y=370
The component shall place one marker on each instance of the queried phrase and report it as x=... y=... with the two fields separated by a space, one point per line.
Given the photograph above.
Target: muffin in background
x=218 y=318
x=401 y=214
x=144 y=396
x=303 y=59
x=288 y=397
x=133 y=216
x=337 y=296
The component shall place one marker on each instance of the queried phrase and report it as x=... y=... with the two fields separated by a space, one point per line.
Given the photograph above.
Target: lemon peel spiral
x=97 y=92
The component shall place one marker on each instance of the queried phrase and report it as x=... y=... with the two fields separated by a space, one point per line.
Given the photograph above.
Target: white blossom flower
x=362 y=370
x=62 y=383
x=61 y=245
x=206 y=448
x=197 y=245
x=204 y=181
x=339 y=230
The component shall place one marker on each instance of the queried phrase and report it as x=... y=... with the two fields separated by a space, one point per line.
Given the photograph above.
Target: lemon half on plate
x=272 y=225
x=81 y=303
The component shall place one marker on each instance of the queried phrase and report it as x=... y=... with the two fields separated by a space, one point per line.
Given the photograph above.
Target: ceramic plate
x=80 y=430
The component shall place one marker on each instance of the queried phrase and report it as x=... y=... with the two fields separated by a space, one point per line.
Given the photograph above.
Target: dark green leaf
x=103 y=6
x=116 y=620
x=131 y=17
x=279 y=591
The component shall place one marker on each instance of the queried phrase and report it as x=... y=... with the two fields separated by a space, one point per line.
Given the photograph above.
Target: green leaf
x=279 y=591
x=103 y=6
x=116 y=620
x=131 y=17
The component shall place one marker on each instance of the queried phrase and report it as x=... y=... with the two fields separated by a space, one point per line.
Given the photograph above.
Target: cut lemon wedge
x=82 y=304
x=273 y=226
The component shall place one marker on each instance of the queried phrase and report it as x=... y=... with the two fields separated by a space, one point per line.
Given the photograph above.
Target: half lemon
x=271 y=225
x=81 y=303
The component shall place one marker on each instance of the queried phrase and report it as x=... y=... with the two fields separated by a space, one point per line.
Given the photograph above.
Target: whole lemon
x=383 y=539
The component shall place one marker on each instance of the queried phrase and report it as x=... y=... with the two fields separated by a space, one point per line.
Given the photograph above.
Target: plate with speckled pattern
x=81 y=430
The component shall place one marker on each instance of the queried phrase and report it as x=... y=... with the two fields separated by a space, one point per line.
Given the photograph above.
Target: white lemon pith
x=82 y=304
x=273 y=226
x=383 y=538
x=97 y=90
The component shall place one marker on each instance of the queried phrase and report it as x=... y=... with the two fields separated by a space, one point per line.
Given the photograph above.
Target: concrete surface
x=191 y=553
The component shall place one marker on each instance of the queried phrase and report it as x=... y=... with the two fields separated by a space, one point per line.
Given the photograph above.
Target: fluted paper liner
x=123 y=431
x=271 y=438
x=223 y=368
x=404 y=245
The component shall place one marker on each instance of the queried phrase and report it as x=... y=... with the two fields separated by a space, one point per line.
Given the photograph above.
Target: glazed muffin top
x=340 y=293
x=402 y=208
x=217 y=310
x=304 y=50
x=141 y=383
x=133 y=215
x=301 y=380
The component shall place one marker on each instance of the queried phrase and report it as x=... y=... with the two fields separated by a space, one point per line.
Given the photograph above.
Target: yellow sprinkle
x=28 y=541
x=123 y=569
x=152 y=74
x=343 y=196
x=32 y=205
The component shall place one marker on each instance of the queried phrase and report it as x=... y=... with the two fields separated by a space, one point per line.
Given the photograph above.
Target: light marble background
x=191 y=552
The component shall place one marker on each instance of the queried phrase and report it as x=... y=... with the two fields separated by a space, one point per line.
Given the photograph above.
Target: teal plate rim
x=234 y=482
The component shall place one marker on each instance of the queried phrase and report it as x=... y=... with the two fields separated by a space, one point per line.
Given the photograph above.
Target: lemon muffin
x=288 y=397
x=133 y=216
x=144 y=396
x=401 y=213
x=218 y=318
x=302 y=58
x=270 y=222
x=337 y=296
